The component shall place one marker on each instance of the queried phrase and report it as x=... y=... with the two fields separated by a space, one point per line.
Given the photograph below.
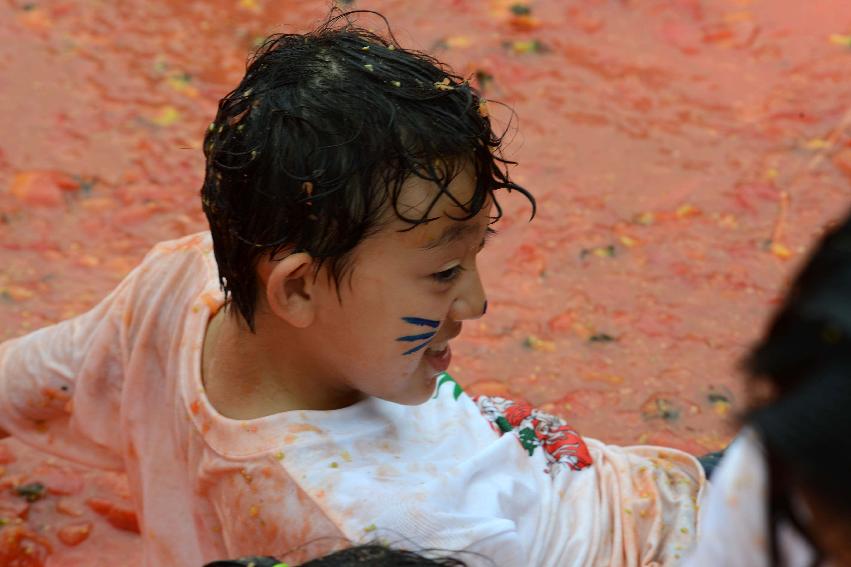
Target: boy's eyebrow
x=452 y=234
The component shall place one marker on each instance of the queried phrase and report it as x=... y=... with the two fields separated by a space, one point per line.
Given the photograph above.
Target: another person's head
x=801 y=384
x=369 y=555
x=350 y=184
x=376 y=555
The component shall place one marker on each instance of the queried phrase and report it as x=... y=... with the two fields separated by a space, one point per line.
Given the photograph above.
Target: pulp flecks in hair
x=351 y=115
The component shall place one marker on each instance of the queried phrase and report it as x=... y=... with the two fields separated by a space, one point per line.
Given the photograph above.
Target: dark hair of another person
x=314 y=144
x=369 y=555
x=806 y=356
x=376 y=555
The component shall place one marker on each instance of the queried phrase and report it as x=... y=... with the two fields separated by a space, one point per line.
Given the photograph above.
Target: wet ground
x=685 y=155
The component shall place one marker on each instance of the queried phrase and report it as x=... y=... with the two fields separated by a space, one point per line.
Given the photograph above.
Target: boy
x=350 y=185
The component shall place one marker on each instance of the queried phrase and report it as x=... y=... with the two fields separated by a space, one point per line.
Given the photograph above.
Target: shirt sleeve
x=733 y=519
x=61 y=386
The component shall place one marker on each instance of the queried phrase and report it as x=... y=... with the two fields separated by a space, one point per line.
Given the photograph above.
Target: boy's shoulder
x=175 y=274
x=172 y=258
x=200 y=244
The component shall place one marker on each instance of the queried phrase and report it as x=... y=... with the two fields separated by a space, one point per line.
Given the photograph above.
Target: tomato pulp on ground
x=685 y=154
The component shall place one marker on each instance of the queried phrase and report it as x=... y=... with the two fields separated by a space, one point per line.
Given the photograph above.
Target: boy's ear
x=289 y=288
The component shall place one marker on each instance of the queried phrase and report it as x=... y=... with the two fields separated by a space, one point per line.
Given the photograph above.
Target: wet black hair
x=806 y=357
x=376 y=555
x=250 y=561
x=368 y=555
x=313 y=146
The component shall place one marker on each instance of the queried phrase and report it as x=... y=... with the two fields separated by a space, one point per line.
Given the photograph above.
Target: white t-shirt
x=734 y=518
x=120 y=388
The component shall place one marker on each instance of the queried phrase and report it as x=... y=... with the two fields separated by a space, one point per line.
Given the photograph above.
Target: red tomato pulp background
x=685 y=155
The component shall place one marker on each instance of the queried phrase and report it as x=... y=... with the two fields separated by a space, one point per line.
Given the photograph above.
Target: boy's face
x=404 y=300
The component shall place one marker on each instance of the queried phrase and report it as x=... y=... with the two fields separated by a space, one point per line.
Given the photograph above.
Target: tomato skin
x=42 y=188
x=6 y=455
x=119 y=517
x=124 y=519
x=21 y=547
x=99 y=506
x=68 y=508
x=59 y=481
x=74 y=534
x=12 y=506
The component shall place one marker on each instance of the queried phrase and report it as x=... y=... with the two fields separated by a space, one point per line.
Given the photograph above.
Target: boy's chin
x=421 y=392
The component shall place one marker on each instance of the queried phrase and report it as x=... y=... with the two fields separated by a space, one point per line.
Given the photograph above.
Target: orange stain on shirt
x=212 y=303
x=53 y=394
x=127 y=319
x=304 y=427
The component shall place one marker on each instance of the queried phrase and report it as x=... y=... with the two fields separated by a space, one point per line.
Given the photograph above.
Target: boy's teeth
x=437 y=349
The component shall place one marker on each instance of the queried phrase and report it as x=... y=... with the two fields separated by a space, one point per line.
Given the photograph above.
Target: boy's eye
x=449 y=275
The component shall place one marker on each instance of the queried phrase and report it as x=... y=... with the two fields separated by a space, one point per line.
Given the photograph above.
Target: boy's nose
x=471 y=302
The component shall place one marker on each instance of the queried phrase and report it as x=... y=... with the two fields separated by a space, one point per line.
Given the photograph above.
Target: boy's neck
x=250 y=375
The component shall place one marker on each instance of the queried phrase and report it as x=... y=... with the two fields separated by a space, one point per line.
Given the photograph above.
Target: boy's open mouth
x=439 y=354
x=436 y=349
x=439 y=359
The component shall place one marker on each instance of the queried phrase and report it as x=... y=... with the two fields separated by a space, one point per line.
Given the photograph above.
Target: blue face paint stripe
x=412 y=338
x=422 y=322
x=416 y=348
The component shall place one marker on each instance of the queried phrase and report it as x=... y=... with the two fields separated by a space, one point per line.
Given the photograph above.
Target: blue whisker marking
x=416 y=348
x=422 y=322
x=412 y=338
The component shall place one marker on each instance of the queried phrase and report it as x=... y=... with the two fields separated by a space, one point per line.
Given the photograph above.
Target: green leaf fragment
x=31 y=492
x=602 y=338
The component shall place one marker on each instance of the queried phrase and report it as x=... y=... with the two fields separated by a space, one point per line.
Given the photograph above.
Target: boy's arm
x=60 y=386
